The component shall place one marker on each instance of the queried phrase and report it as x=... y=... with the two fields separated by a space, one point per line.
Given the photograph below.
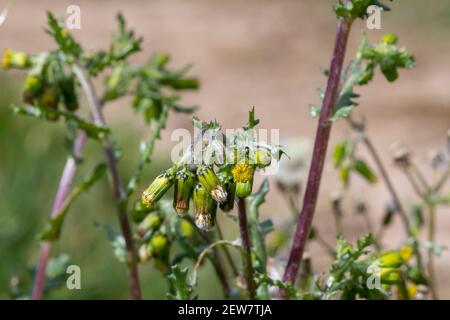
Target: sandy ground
x=270 y=54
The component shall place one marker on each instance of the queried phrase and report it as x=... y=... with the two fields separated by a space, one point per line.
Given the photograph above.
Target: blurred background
x=262 y=53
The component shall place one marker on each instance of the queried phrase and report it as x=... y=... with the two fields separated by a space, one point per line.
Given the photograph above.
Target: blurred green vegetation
x=33 y=154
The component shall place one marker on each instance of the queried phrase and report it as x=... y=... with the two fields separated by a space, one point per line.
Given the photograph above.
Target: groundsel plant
x=175 y=221
x=51 y=91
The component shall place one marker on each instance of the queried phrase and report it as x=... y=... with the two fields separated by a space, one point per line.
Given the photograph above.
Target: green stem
x=430 y=265
x=245 y=238
x=118 y=190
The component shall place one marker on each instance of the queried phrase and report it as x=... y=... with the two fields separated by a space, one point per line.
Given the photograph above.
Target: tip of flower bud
x=204 y=222
x=148 y=198
x=219 y=194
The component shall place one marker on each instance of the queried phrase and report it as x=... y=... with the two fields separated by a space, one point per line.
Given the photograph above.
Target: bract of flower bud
x=227 y=181
x=209 y=180
x=205 y=208
x=158 y=188
x=184 y=185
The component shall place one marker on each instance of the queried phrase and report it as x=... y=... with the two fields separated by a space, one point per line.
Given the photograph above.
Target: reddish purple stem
x=63 y=190
x=319 y=153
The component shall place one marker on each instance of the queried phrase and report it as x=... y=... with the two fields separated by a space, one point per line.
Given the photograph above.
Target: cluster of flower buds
x=47 y=84
x=205 y=187
x=15 y=59
x=201 y=184
x=390 y=262
x=156 y=243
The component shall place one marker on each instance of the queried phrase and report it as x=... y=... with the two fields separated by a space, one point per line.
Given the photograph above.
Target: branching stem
x=118 y=190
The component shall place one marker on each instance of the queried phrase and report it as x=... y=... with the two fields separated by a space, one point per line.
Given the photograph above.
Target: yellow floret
x=242 y=172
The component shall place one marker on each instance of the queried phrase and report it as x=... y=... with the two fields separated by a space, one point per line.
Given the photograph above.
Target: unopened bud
x=151 y=222
x=184 y=185
x=15 y=59
x=158 y=188
x=263 y=157
x=31 y=88
x=227 y=181
x=208 y=178
x=158 y=245
x=205 y=208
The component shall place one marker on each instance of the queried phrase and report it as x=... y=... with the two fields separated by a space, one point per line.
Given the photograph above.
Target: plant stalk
x=62 y=192
x=118 y=189
x=319 y=153
x=245 y=237
x=430 y=265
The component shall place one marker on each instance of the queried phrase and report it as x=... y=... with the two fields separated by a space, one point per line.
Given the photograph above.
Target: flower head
x=243 y=176
x=242 y=172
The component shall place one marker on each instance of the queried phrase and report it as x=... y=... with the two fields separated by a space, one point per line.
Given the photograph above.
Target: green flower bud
x=158 y=246
x=151 y=222
x=184 y=185
x=205 y=208
x=263 y=157
x=226 y=180
x=15 y=59
x=186 y=228
x=243 y=176
x=390 y=259
x=390 y=38
x=158 y=188
x=390 y=275
x=208 y=178
x=31 y=88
